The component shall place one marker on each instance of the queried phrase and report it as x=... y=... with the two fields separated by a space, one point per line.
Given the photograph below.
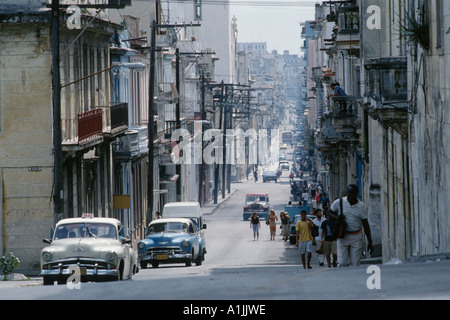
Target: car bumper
x=87 y=267
x=165 y=257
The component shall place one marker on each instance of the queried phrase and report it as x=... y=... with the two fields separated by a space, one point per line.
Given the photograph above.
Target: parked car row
x=96 y=249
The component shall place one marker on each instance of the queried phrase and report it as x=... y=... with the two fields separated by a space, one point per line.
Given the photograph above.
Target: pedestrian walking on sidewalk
x=255 y=224
x=272 y=223
x=329 y=237
x=350 y=248
x=304 y=239
x=318 y=222
x=284 y=217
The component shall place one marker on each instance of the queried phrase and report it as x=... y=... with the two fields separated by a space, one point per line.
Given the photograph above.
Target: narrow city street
x=238 y=268
x=115 y=114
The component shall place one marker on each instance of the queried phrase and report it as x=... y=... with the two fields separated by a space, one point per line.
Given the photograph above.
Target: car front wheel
x=200 y=258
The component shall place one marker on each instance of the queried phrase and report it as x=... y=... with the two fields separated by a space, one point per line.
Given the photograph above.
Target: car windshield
x=253 y=198
x=269 y=172
x=85 y=230
x=169 y=227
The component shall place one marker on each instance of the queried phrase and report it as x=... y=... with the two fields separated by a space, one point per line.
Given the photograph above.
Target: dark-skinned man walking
x=350 y=247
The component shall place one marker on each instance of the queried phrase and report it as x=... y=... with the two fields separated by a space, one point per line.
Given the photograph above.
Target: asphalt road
x=239 y=268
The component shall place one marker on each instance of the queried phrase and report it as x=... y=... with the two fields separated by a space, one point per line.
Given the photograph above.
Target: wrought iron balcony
x=91 y=127
x=115 y=120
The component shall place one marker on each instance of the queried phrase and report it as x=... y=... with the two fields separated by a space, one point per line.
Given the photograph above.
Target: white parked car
x=93 y=245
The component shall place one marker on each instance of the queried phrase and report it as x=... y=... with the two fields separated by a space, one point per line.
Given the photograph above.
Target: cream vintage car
x=92 y=246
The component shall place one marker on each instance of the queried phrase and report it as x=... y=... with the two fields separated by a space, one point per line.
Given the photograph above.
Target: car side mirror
x=47 y=241
x=125 y=241
x=204 y=226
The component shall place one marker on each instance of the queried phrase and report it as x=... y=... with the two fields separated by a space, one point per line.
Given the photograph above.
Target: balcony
x=348 y=20
x=326 y=136
x=132 y=144
x=348 y=30
x=90 y=128
x=346 y=121
x=115 y=121
x=386 y=91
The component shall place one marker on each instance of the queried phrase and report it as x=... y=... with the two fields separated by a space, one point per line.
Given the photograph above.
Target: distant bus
x=287 y=137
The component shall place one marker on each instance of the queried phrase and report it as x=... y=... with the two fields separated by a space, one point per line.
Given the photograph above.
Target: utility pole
x=216 y=166
x=58 y=195
x=202 y=166
x=151 y=124
x=224 y=144
x=177 y=116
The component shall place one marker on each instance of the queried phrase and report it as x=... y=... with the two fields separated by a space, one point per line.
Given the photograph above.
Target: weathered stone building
x=396 y=71
x=90 y=122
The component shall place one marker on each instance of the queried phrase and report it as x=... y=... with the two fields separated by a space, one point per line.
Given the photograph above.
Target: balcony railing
x=386 y=91
x=116 y=118
x=89 y=124
x=94 y=124
x=343 y=118
x=348 y=20
x=344 y=106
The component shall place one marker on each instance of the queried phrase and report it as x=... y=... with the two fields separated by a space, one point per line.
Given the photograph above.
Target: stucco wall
x=25 y=140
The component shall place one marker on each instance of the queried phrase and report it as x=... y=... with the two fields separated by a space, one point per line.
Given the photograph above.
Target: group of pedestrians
x=323 y=231
x=320 y=232
x=345 y=248
x=271 y=221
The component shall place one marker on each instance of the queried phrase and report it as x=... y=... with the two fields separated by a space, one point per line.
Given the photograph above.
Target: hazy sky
x=277 y=23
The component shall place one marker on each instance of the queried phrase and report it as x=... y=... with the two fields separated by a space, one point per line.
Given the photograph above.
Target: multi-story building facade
x=90 y=121
x=387 y=134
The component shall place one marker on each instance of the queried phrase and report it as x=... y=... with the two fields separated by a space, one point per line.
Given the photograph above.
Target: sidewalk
x=210 y=207
x=17 y=280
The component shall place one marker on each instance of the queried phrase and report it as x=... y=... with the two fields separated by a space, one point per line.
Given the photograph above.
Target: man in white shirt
x=318 y=222
x=350 y=247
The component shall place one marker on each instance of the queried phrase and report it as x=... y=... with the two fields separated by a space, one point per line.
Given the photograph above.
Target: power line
x=247 y=3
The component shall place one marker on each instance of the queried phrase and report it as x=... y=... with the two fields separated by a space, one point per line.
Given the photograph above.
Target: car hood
x=166 y=238
x=95 y=248
x=256 y=204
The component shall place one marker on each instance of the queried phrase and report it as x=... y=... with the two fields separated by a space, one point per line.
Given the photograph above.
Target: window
x=197 y=10
x=440 y=32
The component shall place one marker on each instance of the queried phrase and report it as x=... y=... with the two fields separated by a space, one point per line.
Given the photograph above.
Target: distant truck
x=258 y=202
x=189 y=210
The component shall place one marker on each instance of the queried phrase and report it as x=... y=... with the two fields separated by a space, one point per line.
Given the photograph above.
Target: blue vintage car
x=171 y=240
